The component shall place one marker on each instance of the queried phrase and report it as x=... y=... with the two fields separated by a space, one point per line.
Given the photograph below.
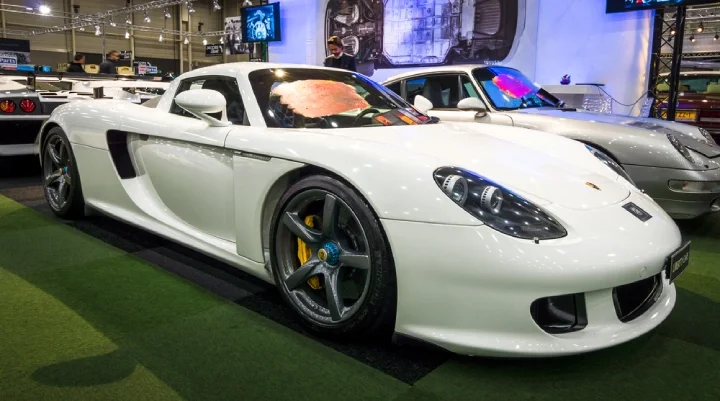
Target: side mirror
x=473 y=104
x=422 y=104
x=201 y=102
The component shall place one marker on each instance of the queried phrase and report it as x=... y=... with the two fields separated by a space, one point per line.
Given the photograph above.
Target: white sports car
x=368 y=215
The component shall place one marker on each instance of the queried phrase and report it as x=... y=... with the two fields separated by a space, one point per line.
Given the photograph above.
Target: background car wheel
x=331 y=261
x=61 y=180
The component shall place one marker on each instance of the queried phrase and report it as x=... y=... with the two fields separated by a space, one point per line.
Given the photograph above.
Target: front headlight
x=707 y=136
x=681 y=148
x=496 y=206
x=610 y=163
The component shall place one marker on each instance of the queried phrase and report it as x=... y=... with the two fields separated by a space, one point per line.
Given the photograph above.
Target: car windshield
x=317 y=98
x=509 y=89
x=700 y=84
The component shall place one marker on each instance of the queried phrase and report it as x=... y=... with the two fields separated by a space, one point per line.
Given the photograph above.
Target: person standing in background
x=108 y=66
x=77 y=64
x=337 y=58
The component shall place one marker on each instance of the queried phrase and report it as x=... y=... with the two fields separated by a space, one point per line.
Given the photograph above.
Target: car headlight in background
x=496 y=206
x=708 y=138
x=610 y=163
x=681 y=148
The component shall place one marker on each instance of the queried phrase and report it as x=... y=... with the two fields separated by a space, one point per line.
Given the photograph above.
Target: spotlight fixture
x=672 y=30
x=223 y=40
x=97 y=30
x=167 y=13
x=128 y=20
x=44 y=10
x=204 y=42
x=187 y=40
x=716 y=37
x=692 y=38
x=701 y=27
x=112 y=23
x=216 y=5
x=247 y=3
x=127 y=35
x=147 y=17
x=190 y=8
x=160 y=38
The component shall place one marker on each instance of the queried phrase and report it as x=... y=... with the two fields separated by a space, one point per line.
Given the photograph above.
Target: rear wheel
x=61 y=181
x=330 y=259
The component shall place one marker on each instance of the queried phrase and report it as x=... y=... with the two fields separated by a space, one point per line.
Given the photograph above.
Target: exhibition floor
x=99 y=310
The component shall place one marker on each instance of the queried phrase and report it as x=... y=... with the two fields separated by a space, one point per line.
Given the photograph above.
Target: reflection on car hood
x=686 y=134
x=543 y=167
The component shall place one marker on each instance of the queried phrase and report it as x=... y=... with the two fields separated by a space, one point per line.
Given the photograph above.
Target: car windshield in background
x=53 y=86
x=315 y=98
x=699 y=84
x=509 y=89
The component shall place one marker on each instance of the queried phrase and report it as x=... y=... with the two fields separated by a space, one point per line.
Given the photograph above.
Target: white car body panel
x=461 y=284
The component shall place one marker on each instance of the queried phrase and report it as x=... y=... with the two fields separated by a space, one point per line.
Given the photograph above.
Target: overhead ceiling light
x=672 y=30
x=127 y=35
x=692 y=38
x=112 y=23
x=247 y=3
x=160 y=38
x=167 y=13
x=701 y=27
x=128 y=20
x=186 y=40
x=716 y=37
x=97 y=30
x=204 y=42
x=147 y=17
x=190 y=8
x=216 y=5
x=223 y=40
x=44 y=10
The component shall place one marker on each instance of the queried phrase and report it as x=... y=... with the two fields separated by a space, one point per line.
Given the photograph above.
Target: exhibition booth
x=359 y=199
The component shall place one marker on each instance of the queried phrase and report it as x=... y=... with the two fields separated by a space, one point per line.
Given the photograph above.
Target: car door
x=187 y=171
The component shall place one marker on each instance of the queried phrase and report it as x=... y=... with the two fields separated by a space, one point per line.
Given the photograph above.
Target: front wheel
x=331 y=261
x=61 y=179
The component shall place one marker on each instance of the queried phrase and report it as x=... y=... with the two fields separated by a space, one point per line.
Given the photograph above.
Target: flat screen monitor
x=261 y=23
x=617 y=6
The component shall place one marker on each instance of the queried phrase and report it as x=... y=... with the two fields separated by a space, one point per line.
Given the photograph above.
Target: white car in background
x=677 y=164
x=24 y=107
x=368 y=215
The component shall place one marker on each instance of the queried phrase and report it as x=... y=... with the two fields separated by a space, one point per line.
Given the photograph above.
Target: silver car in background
x=676 y=164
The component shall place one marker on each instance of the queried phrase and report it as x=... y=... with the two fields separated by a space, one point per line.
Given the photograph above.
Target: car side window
x=442 y=90
x=227 y=86
x=468 y=89
x=395 y=88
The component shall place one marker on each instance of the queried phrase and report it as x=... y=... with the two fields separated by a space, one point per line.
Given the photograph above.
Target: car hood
x=542 y=167
x=687 y=135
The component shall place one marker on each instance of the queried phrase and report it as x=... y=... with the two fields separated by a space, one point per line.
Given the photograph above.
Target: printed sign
x=213 y=50
x=8 y=62
x=125 y=55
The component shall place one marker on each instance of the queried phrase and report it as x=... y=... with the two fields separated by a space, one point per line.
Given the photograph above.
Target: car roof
x=243 y=68
x=441 y=68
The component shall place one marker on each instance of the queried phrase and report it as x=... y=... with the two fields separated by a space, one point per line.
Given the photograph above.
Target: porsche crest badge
x=593 y=186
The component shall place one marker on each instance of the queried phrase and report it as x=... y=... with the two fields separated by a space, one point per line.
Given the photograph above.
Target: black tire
x=74 y=206
x=375 y=315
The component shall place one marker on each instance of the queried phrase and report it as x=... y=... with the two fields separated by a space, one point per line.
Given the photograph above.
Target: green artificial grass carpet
x=81 y=320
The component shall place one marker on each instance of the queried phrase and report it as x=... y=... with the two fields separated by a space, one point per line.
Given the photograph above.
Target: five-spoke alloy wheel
x=330 y=258
x=61 y=181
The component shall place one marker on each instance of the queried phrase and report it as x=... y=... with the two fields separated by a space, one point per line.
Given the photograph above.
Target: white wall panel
x=580 y=39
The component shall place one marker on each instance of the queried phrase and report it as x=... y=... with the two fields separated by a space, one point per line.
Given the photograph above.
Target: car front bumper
x=679 y=205
x=469 y=289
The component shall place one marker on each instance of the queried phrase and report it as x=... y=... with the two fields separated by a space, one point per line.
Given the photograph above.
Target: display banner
x=233 y=37
x=389 y=35
x=8 y=62
x=19 y=48
x=125 y=55
x=213 y=50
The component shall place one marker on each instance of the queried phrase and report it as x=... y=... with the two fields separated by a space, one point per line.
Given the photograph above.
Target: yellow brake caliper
x=305 y=253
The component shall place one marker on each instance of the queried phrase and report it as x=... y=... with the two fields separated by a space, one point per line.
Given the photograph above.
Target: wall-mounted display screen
x=261 y=23
x=617 y=6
